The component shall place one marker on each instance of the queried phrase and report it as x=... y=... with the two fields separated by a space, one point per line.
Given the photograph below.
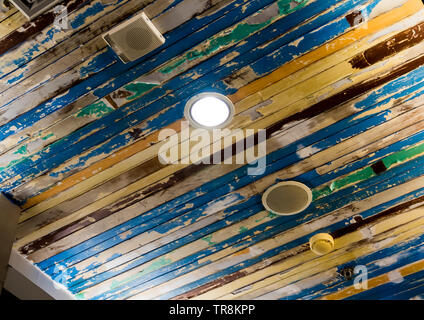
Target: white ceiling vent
x=287 y=198
x=33 y=8
x=134 y=38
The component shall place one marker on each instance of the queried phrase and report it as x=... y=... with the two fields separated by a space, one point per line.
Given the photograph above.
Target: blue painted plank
x=100 y=136
x=255 y=207
x=212 y=190
x=390 y=289
x=231 y=184
x=403 y=253
x=399 y=175
x=176 y=43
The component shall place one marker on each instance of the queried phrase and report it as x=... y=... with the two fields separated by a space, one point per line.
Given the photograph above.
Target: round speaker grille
x=287 y=198
x=138 y=38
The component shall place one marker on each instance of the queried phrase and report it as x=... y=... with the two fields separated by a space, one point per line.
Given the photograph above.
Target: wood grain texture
x=336 y=85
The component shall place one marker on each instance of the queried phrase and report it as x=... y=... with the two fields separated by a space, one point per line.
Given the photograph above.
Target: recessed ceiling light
x=209 y=110
x=287 y=198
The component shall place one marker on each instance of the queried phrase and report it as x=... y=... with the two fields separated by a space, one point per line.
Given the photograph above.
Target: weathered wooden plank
x=376 y=133
x=367 y=248
x=50 y=151
x=360 y=104
x=348 y=124
x=320 y=121
x=229 y=278
x=404 y=285
x=241 y=24
x=165 y=259
x=410 y=53
x=381 y=133
x=329 y=279
x=205 y=240
x=10 y=21
x=236 y=287
x=82 y=45
x=40 y=183
x=83 y=117
x=50 y=36
x=380 y=281
x=172 y=44
x=7 y=14
x=339 y=71
x=156 y=292
x=342 y=177
x=89 y=196
x=225 y=39
x=89 y=177
x=16 y=29
x=166 y=234
x=56 y=86
x=377 y=263
x=18 y=108
x=335 y=45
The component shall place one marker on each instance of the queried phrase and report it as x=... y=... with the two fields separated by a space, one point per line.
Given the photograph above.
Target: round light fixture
x=287 y=198
x=209 y=110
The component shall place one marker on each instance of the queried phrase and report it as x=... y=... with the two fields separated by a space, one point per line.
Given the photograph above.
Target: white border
x=38 y=277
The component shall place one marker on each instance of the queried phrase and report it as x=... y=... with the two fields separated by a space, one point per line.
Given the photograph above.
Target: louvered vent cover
x=33 y=8
x=134 y=38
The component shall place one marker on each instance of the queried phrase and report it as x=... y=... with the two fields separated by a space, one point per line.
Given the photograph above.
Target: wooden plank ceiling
x=338 y=84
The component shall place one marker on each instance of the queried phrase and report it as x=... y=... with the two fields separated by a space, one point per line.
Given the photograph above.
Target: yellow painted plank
x=175 y=255
x=376 y=281
x=318 y=265
x=374 y=25
x=13 y=20
x=306 y=265
x=310 y=162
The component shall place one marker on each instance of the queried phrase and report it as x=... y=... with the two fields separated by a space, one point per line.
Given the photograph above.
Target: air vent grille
x=33 y=8
x=134 y=38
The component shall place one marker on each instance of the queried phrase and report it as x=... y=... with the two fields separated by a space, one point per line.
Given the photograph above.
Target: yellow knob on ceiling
x=321 y=243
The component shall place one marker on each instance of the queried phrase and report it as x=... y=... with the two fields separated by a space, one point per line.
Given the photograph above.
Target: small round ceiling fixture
x=209 y=110
x=287 y=198
x=321 y=243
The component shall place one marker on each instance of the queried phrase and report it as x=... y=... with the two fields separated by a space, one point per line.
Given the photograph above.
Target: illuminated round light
x=287 y=198
x=209 y=110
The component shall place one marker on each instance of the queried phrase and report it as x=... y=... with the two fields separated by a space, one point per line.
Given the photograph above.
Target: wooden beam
x=9 y=215
x=23 y=288
x=29 y=271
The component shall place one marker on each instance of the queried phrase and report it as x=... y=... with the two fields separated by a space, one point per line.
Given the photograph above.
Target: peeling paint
x=95 y=110
x=138 y=89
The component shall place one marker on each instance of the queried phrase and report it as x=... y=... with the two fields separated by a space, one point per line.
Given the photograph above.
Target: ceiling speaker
x=134 y=38
x=287 y=198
